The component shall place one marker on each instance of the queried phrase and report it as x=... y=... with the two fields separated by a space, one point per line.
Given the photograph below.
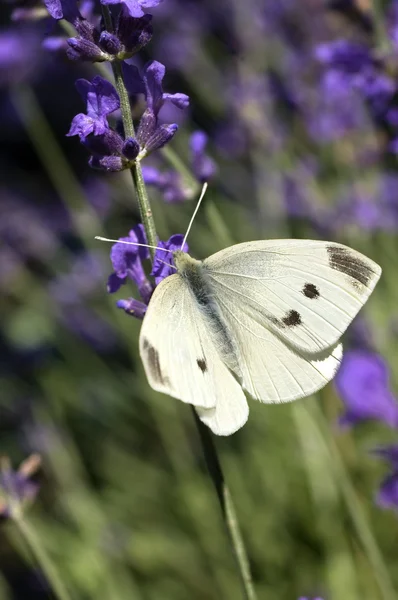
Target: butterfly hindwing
x=304 y=292
x=180 y=358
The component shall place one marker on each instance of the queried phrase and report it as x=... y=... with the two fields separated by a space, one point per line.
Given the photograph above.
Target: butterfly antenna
x=102 y=239
x=204 y=188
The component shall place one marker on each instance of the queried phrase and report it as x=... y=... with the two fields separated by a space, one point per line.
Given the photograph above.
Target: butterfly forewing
x=304 y=292
x=180 y=358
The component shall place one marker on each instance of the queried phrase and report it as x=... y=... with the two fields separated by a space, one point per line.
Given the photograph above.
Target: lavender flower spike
x=135 y=7
x=102 y=99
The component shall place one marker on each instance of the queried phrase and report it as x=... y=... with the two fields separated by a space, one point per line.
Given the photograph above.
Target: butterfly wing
x=181 y=360
x=305 y=292
x=287 y=302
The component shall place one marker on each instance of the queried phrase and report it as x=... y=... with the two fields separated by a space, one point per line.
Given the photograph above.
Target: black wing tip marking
x=341 y=259
x=292 y=318
x=154 y=364
x=202 y=364
x=311 y=291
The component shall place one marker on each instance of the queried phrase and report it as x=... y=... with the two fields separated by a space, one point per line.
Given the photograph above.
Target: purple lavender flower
x=307 y=598
x=363 y=384
x=16 y=487
x=163 y=264
x=127 y=264
x=134 y=7
x=150 y=84
x=102 y=99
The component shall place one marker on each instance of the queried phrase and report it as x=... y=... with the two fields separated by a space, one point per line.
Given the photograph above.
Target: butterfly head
x=183 y=261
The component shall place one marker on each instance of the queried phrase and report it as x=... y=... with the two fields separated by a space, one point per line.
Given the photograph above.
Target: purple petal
x=179 y=100
x=115 y=282
x=82 y=125
x=133 y=80
x=163 y=261
x=154 y=72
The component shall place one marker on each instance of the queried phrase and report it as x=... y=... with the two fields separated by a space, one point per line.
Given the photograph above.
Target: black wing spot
x=292 y=319
x=202 y=364
x=341 y=259
x=311 y=291
x=154 y=364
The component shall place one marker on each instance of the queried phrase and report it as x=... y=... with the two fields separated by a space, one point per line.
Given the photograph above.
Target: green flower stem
x=44 y=561
x=227 y=507
x=379 y=18
x=136 y=171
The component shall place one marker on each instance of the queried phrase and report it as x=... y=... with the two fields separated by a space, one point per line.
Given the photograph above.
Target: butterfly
x=262 y=317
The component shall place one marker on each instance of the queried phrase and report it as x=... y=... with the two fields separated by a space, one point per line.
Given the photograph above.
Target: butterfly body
x=263 y=316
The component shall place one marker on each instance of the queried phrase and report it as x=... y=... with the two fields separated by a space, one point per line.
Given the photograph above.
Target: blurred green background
x=126 y=508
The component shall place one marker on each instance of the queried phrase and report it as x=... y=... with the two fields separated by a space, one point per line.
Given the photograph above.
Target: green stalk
x=136 y=171
x=42 y=558
x=210 y=453
x=227 y=508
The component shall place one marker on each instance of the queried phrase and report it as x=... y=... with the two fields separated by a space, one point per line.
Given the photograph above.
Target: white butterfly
x=264 y=316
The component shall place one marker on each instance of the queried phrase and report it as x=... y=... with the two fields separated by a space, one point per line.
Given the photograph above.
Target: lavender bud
x=110 y=164
x=110 y=43
x=160 y=137
x=146 y=127
x=131 y=148
x=133 y=307
x=82 y=49
x=108 y=143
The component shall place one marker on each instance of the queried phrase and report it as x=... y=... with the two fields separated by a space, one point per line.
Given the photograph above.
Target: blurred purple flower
x=307 y=598
x=135 y=7
x=63 y=9
x=387 y=496
x=150 y=84
x=203 y=166
x=16 y=487
x=72 y=293
x=169 y=183
x=15 y=46
x=163 y=264
x=363 y=384
x=355 y=66
x=102 y=99
x=127 y=264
